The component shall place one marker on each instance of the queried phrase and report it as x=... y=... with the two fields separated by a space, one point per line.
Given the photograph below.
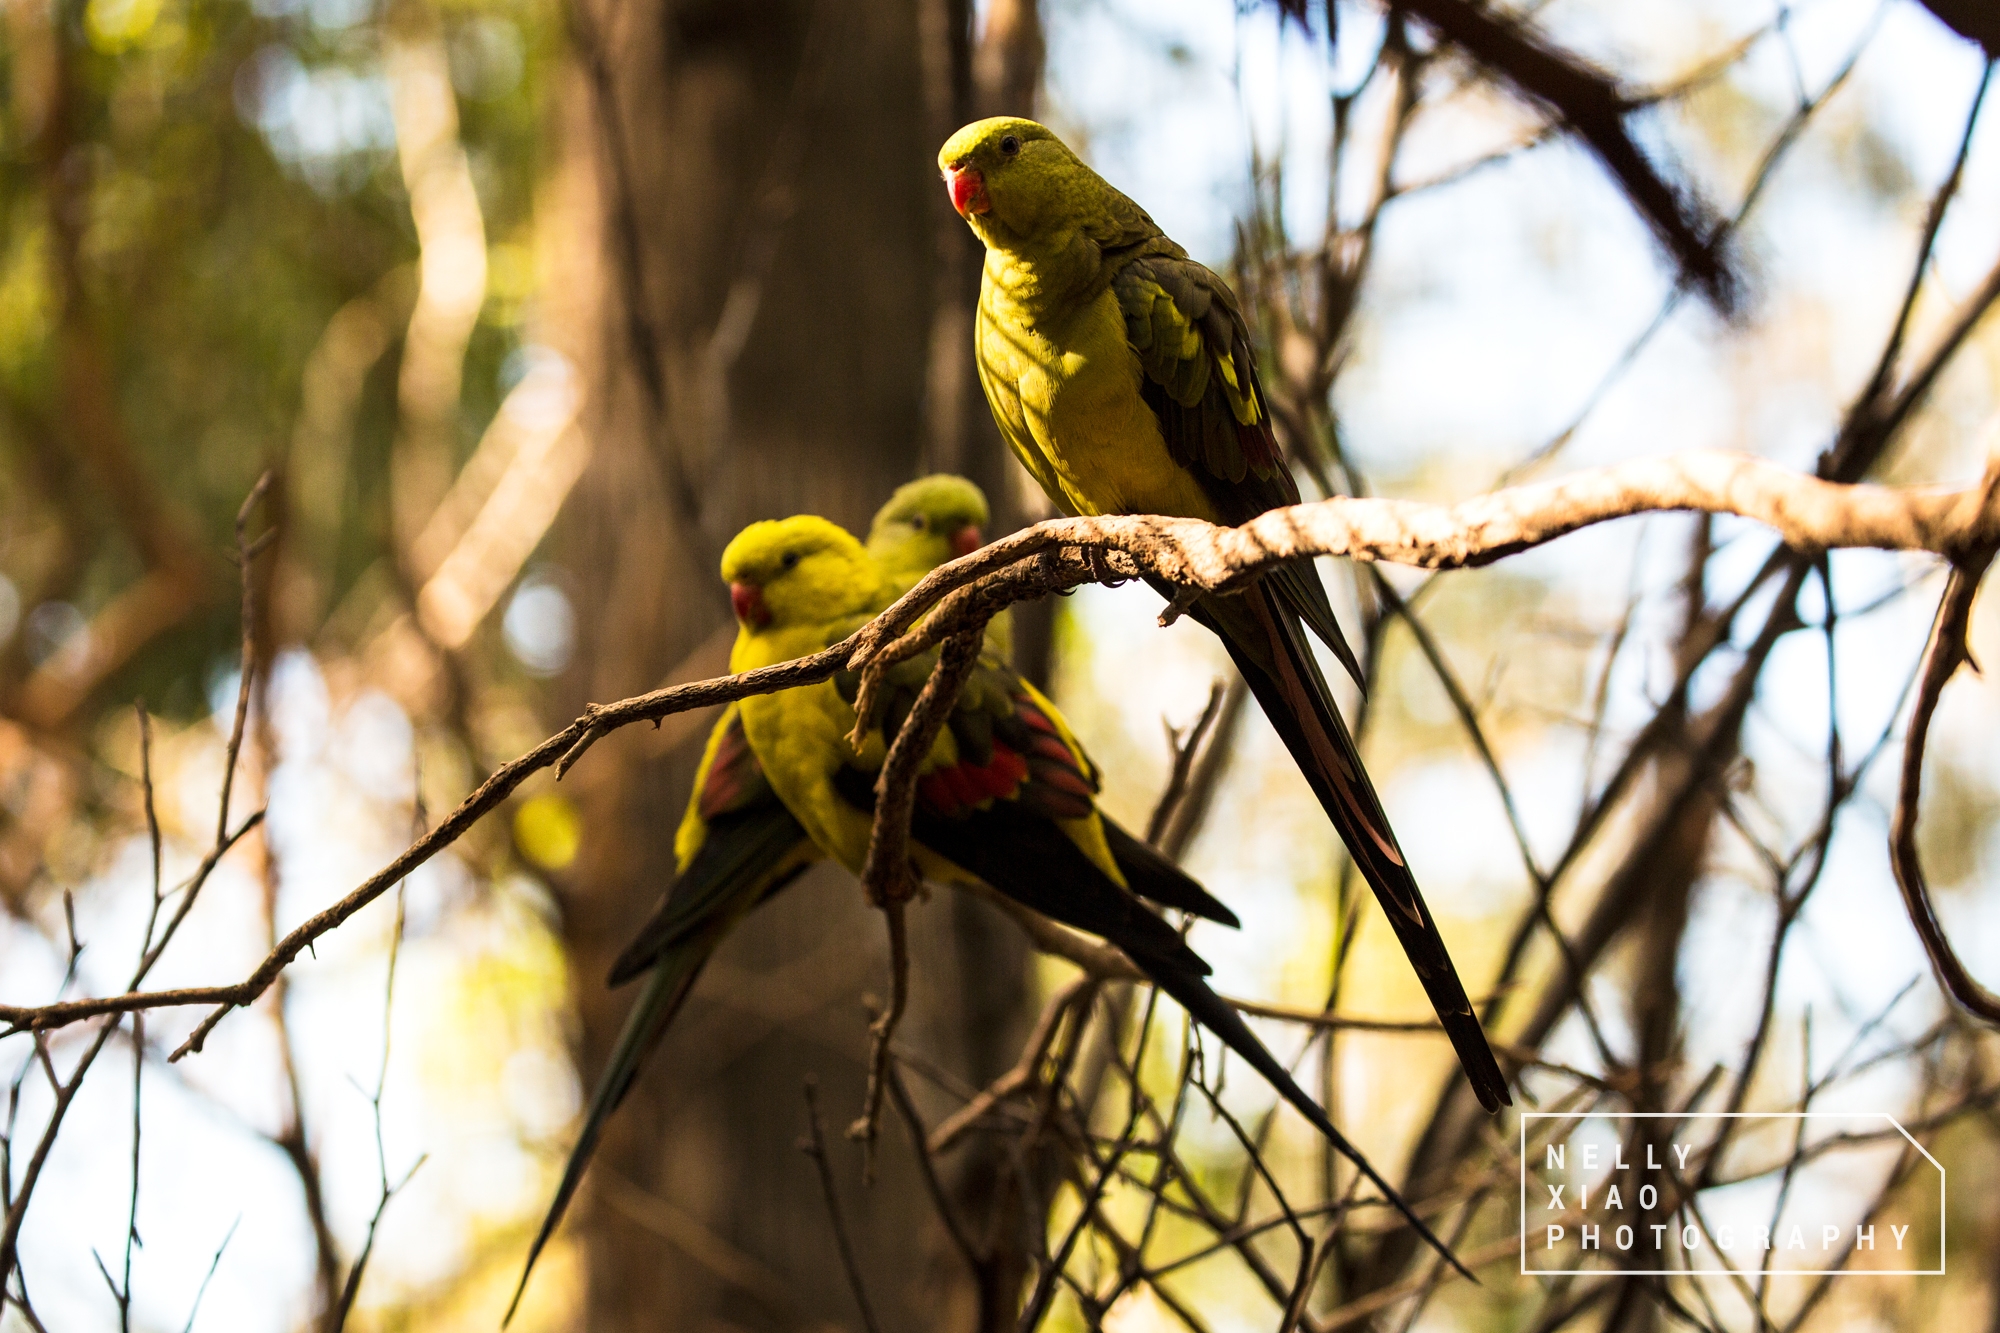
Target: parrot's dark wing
x=1011 y=749
x=1200 y=380
x=1153 y=877
x=747 y=830
x=750 y=849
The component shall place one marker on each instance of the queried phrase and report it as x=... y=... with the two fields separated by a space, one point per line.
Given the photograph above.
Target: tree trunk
x=750 y=284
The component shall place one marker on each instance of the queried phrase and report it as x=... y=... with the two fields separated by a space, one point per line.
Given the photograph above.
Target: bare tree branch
x=1947 y=652
x=1809 y=514
x=814 y=1146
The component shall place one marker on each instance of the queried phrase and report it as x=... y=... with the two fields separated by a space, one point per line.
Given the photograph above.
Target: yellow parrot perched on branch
x=1122 y=375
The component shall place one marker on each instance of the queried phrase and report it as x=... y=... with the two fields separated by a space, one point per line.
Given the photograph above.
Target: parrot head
x=1012 y=174
x=927 y=522
x=796 y=571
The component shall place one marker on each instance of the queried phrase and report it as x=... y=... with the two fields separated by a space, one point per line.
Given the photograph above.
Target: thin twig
x=1045 y=1285
x=248 y=637
x=337 y=1319
x=209 y=1276
x=1025 y=1072
x=1191 y=811
x=352 y=1288
x=132 y=1213
x=1184 y=745
x=65 y=1091
x=814 y=1147
x=927 y=1168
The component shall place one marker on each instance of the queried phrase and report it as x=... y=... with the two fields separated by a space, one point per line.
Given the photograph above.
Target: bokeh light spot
x=119 y=25
x=547 y=831
x=540 y=626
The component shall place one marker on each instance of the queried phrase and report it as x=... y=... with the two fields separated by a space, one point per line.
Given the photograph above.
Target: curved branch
x=1962 y=525
x=1947 y=652
x=1809 y=514
x=596 y=720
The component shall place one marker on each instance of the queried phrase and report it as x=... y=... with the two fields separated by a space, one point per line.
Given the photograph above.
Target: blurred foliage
x=190 y=189
x=192 y=192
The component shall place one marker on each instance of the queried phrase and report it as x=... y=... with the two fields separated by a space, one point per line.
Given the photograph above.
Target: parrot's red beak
x=968 y=190
x=966 y=540
x=747 y=600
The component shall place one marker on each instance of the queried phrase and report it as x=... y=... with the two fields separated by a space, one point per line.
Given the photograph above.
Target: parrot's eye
x=917 y=522
x=1010 y=144
x=790 y=559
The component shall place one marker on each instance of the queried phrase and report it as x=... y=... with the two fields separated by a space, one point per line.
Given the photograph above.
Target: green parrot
x=1122 y=374
x=737 y=845
x=927 y=522
x=1006 y=796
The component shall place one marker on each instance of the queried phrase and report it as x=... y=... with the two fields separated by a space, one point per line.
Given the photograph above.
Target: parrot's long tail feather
x=738 y=851
x=1265 y=640
x=1153 y=877
x=743 y=860
x=1034 y=862
x=666 y=989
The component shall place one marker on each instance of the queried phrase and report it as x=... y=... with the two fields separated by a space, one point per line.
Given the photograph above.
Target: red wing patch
x=955 y=790
x=1028 y=762
x=734 y=778
x=1058 y=784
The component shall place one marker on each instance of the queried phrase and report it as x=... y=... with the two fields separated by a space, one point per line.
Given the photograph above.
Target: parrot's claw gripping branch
x=956 y=600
